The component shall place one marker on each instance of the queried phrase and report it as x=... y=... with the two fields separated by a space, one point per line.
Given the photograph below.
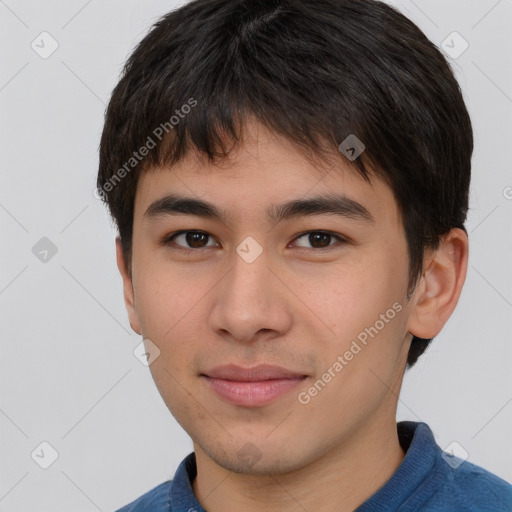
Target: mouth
x=251 y=387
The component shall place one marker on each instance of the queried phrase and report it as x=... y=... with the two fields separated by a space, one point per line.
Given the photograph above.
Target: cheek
x=352 y=298
x=170 y=380
x=167 y=297
x=365 y=308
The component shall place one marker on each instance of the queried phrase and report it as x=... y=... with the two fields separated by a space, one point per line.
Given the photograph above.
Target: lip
x=252 y=387
x=262 y=372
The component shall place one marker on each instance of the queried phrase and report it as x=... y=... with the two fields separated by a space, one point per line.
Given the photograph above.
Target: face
x=319 y=291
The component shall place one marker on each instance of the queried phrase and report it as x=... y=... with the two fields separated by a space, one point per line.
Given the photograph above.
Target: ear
x=129 y=296
x=440 y=286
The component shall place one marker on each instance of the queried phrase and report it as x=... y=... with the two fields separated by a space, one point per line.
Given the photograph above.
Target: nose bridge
x=247 y=301
x=246 y=282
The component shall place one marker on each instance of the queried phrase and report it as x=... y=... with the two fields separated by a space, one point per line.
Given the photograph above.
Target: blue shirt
x=427 y=480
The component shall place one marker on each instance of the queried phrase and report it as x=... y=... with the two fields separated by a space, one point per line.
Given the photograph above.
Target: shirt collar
x=420 y=473
x=182 y=494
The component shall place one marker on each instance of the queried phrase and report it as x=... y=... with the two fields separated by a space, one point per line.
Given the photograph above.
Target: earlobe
x=128 y=292
x=440 y=286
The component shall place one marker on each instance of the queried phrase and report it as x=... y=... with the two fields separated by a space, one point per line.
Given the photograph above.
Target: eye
x=190 y=239
x=318 y=239
x=194 y=239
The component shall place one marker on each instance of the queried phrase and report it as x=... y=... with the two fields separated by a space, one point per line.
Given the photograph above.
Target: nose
x=251 y=302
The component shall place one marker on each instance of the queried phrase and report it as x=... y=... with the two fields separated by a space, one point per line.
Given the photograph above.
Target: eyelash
x=167 y=240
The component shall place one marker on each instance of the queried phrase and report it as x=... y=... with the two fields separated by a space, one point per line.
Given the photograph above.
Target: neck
x=341 y=479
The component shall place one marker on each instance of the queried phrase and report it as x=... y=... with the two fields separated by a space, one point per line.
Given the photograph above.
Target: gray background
x=68 y=375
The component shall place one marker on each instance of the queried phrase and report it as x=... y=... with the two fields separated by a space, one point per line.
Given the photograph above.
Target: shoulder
x=155 y=500
x=432 y=480
x=469 y=487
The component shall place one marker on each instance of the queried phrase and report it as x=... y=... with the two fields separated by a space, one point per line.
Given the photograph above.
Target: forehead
x=262 y=172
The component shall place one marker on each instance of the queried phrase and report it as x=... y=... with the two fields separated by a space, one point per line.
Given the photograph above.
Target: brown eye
x=318 y=239
x=190 y=239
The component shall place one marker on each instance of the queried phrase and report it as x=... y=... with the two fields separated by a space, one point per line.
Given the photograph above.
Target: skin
x=298 y=306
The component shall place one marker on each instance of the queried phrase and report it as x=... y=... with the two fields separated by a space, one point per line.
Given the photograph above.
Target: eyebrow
x=336 y=204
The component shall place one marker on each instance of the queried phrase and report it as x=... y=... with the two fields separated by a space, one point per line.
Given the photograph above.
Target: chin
x=247 y=459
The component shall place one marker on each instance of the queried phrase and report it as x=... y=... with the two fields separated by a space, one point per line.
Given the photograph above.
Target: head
x=248 y=105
